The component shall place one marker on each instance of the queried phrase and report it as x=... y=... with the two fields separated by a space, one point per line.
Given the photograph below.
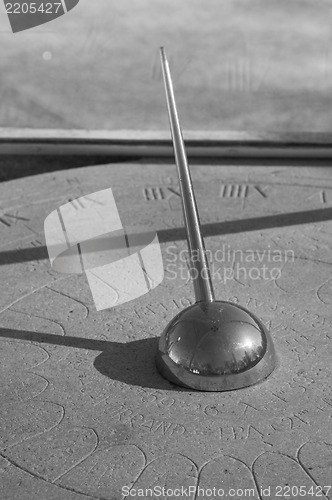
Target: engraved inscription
x=261 y=190
x=233 y=191
x=157 y=193
x=154 y=193
x=242 y=190
x=10 y=219
x=36 y=243
x=142 y=422
x=76 y=203
x=320 y=196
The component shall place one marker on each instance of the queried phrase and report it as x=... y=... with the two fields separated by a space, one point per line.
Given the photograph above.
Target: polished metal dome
x=215 y=346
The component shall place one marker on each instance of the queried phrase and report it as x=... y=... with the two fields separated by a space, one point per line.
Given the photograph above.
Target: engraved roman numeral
x=73 y=180
x=322 y=196
x=5 y=222
x=77 y=203
x=10 y=219
x=174 y=192
x=36 y=243
x=233 y=191
x=153 y=193
x=261 y=191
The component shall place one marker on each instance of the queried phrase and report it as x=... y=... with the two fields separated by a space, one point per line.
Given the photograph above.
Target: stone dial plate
x=84 y=411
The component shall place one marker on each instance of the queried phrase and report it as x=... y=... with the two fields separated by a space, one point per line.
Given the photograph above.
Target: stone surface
x=84 y=411
x=235 y=65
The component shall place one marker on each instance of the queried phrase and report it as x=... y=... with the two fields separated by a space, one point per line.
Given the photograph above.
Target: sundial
x=84 y=410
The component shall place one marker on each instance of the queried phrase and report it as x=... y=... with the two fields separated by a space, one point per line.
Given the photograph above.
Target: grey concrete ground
x=237 y=64
x=84 y=411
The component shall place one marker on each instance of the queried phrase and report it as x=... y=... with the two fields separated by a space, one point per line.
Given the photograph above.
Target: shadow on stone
x=131 y=362
x=210 y=229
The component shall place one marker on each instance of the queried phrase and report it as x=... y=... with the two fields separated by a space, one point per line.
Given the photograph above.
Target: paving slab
x=236 y=65
x=84 y=412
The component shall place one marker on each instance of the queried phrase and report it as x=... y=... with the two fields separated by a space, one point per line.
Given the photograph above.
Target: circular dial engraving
x=84 y=408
